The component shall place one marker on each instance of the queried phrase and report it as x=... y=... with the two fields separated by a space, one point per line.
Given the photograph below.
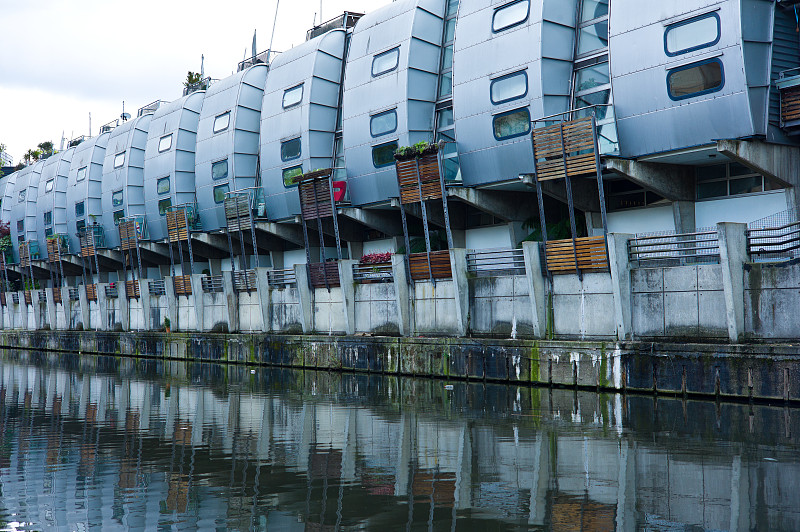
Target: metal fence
x=373 y=273
x=211 y=284
x=157 y=287
x=15 y=297
x=281 y=278
x=674 y=249
x=74 y=294
x=775 y=238
x=111 y=291
x=496 y=262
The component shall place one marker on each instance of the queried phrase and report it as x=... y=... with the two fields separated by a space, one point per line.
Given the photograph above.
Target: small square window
x=383 y=154
x=290 y=149
x=81 y=173
x=222 y=122
x=165 y=143
x=48 y=218
x=289 y=174
x=385 y=62
x=119 y=160
x=118 y=215
x=117 y=199
x=79 y=210
x=48 y=187
x=219 y=192
x=219 y=169
x=48 y=232
x=163 y=205
x=162 y=185
x=293 y=96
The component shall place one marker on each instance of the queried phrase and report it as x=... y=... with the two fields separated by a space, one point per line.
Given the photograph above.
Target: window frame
x=283 y=174
x=299 y=151
x=396 y=51
x=163 y=200
x=686 y=22
x=214 y=129
x=383 y=113
x=161 y=140
x=82 y=171
x=515 y=24
x=83 y=209
x=523 y=72
x=49 y=185
x=22 y=195
x=511 y=112
x=396 y=143
x=227 y=185
x=227 y=169
x=118 y=215
x=121 y=192
x=116 y=158
x=161 y=180
x=302 y=88
x=48 y=214
x=689 y=66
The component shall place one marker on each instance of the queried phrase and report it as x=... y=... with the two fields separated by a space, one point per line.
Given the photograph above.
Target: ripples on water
x=117 y=444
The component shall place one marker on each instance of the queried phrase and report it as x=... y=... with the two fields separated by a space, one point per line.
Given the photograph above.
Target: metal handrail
x=782 y=74
x=151 y=107
x=778 y=243
x=211 y=283
x=282 y=277
x=74 y=294
x=379 y=273
x=685 y=248
x=570 y=111
x=157 y=287
x=496 y=262
x=112 y=291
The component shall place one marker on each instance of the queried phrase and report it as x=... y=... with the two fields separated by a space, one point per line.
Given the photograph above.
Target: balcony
x=788 y=84
x=258 y=59
x=346 y=21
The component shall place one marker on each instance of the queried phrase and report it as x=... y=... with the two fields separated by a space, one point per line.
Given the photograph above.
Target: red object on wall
x=339 y=189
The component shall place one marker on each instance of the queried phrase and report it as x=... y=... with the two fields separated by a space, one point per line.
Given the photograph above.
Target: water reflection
x=88 y=442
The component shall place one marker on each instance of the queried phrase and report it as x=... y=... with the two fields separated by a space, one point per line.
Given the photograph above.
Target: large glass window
x=290 y=173
x=119 y=160
x=592 y=28
x=730 y=179
x=165 y=143
x=444 y=123
x=509 y=87
x=219 y=169
x=162 y=185
x=511 y=124
x=510 y=15
x=383 y=154
x=219 y=192
x=695 y=79
x=163 y=205
x=383 y=123
x=290 y=149
x=81 y=174
x=386 y=61
x=48 y=187
x=79 y=209
x=293 y=96
x=692 y=34
x=221 y=122
x=117 y=198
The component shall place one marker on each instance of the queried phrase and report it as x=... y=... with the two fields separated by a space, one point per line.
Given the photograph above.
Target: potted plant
x=376 y=261
x=166 y=324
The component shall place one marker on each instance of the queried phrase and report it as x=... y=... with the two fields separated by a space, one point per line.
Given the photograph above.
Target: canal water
x=109 y=443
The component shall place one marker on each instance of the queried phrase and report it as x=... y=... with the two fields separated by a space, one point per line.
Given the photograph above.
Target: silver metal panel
x=542 y=47
x=23 y=207
x=177 y=163
x=416 y=27
x=317 y=64
x=89 y=154
x=8 y=185
x=131 y=139
x=241 y=94
x=648 y=120
x=56 y=169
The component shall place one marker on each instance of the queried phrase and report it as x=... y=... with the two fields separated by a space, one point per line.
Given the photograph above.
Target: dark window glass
x=219 y=192
x=383 y=123
x=79 y=211
x=290 y=149
x=48 y=232
x=116 y=198
x=290 y=173
x=712 y=189
x=383 y=154
x=163 y=205
x=695 y=79
x=119 y=215
x=20 y=226
x=80 y=224
x=746 y=185
x=511 y=124
x=219 y=169
x=48 y=218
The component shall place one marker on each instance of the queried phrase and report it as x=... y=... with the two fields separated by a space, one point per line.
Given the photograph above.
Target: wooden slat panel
x=315 y=198
x=578 y=150
x=57 y=295
x=132 y=289
x=319 y=270
x=429 y=179
x=440 y=265
x=790 y=104
x=183 y=285
x=28 y=298
x=591 y=252
x=237 y=213
x=244 y=280
x=91 y=292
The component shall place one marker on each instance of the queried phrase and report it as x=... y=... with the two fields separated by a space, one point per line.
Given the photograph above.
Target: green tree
x=32 y=155
x=192 y=78
x=2 y=151
x=46 y=148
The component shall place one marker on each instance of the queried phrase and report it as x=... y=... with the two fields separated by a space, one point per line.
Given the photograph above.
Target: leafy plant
x=376 y=258
x=192 y=78
x=166 y=322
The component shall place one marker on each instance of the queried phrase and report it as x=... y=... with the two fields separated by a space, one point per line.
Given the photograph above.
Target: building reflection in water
x=147 y=445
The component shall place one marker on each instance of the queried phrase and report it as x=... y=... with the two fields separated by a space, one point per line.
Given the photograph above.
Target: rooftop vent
x=105 y=128
x=149 y=109
x=258 y=59
x=346 y=20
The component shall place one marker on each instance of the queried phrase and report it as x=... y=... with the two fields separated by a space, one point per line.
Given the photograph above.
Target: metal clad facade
x=241 y=95
x=56 y=170
x=317 y=65
x=414 y=28
x=85 y=185
x=23 y=204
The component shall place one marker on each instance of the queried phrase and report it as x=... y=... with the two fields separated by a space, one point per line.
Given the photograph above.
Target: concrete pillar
x=144 y=295
x=683 y=214
x=83 y=301
x=733 y=254
x=102 y=304
x=276 y=258
x=348 y=294
x=355 y=250
x=620 y=267
x=124 y=304
x=66 y=304
x=306 y=295
x=594 y=223
x=197 y=300
x=51 y=308
x=264 y=296
x=458 y=267
x=37 y=309
x=22 y=311
x=231 y=301
x=172 y=302
x=401 y=293
x=535 y=278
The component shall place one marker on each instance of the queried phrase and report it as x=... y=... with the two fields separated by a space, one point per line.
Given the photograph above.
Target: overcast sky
x=61 y=60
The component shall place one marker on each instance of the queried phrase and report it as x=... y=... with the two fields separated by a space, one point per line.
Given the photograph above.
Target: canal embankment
x=723 y=371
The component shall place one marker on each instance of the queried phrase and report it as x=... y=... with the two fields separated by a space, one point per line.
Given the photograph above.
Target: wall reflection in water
x=145 y=445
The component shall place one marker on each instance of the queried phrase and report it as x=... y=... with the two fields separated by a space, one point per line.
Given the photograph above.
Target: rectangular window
x=117 y=199
x=511 y=124
x=509 y=87
x=692 y=34
x=385 y=61
x=510 y=15
x=81 y=173
x=292 y=96
x=592 y=9
x=163 y=205
x=593 y=37
x=695 y=79
x=80 y=225
x=383 y=154
x=48 y=218
x=118 y=215
x=165 y=143
x=219 y=169
x=48 y=187
x=290 y=149
x=591 y=77
x=21 y=196
x=162 y=185
x=79 y=210
x=383 y=123
x=119 y=160
x=219 y=192
x=20 y=226
x=289 y=174
x=221 y=122
x=48 y=232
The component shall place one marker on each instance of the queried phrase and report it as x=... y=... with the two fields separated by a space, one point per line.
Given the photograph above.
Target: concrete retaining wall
x=582 y=308
x=500 y=307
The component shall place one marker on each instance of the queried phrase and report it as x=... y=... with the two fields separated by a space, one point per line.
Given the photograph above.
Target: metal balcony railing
x=673 y=249
x=111 y=291
x=373 y=273
x=281 y=278
x=149 y=109
x=157 y=287
x=74 y=294
x=258 y=59
x=347 y=20
x=496 y=262
x=212 y=284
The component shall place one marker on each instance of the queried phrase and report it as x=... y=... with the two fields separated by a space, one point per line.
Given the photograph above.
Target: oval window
x=165 y=143
x=219 y=169
x=692 y=34
x=219 y=193
x=289 y=174
x=695 y=79
x=162 y=185
x=293 y=96
x=511 y=124
x=221 y=122
x=119 y=160
x=510 y=15
x=116 y=199
x=510 y=87
x=385 y=61
x=290 y=149
x=383 y=154
x=383 y=123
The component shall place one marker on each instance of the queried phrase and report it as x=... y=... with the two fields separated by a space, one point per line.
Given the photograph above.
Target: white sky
x=61 y=60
